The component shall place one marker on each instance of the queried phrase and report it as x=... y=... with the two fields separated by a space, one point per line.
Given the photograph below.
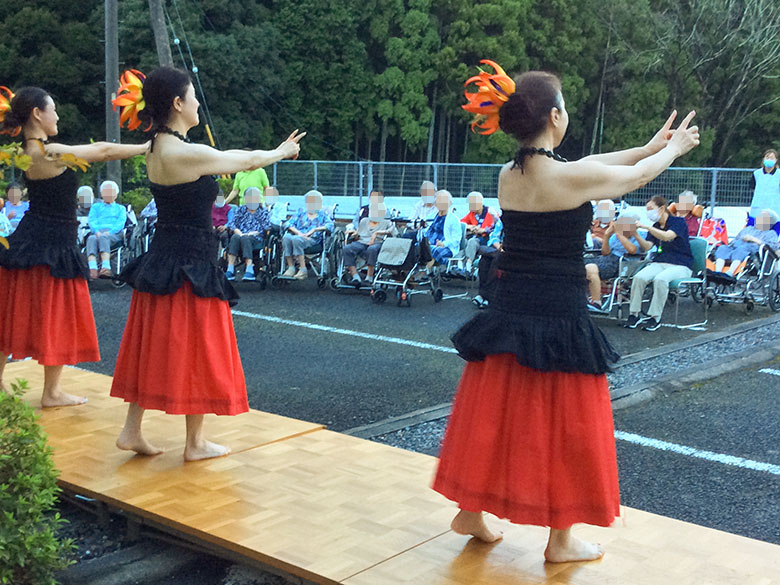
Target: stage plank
x=644 y=549
x=335 y=509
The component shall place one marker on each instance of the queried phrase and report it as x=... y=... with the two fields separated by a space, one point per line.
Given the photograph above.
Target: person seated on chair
x=747 y=242
x=444 y=232
x=425 y=210
x=371 y=233
x=619 y=239
x=107 y=220
x=14 y=208
x=86 y=198
x=603 y=216
x=672 y=260
x=306 y=231
x=479 y=220
x=486 y=269
x=220 y=212
x=149 y=212
x=685 y=209
x=247 y=230
x=277 y=211
x=375 y=197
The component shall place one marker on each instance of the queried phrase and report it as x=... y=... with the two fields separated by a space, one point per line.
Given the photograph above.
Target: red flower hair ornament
x=6 y=95
x=130 y=98
x=493 y=91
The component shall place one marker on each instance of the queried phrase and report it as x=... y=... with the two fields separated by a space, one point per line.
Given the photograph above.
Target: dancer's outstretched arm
x=588 y=180
x=632 y=156
x=99 y=151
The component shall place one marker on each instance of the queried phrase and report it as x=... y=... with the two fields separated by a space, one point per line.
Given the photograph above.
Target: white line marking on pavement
x=350 y=332
x=699 y=454
x=770 y=371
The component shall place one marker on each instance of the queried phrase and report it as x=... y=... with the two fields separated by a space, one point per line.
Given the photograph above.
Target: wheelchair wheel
x=672 y=298
x=697 y=294
x=774 y=293
x=334 y=283
x=749 y=306
x=277 y=282
x=378 y=296
x=322 y=282
x=438 y=295
x=403 y=298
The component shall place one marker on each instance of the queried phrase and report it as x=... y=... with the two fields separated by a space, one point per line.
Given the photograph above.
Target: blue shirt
x=497 y=235
x=616 y=247
x=246 y=221
x=105 y=217
x=678 y=251
x=5 y=226
x=303 y=223
x=435 y=232
x=20 y=210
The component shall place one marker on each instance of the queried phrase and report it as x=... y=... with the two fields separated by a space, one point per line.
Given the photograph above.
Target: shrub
x=138 y=198
x=30 y=551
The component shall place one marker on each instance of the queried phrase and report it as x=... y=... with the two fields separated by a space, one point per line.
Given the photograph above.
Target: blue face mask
x=769 y=163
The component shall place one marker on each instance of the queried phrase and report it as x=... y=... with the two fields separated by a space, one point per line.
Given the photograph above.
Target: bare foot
x=61 y=399
x=473 y=524
x=128 y=442
x=571 y=550
x=205 y=450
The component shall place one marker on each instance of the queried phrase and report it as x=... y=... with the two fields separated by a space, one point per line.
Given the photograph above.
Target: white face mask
x=376 y=212
x=653 y=215
x=252 y=205
x=220 y=201
x=271 y=200
x=428 y=199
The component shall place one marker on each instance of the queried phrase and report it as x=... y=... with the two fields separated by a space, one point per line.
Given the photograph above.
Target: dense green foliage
x=382 y=79
x=30 y=551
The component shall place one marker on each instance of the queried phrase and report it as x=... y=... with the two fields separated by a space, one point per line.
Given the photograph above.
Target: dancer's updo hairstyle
x=22 y=106
x=161 y=87
x=524 y=115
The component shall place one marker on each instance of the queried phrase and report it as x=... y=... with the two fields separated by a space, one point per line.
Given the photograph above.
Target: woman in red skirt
x=531 y=436
x=178 y=352
x=45 y=309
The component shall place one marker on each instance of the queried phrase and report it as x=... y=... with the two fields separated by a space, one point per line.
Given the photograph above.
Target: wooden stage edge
x=335 y=509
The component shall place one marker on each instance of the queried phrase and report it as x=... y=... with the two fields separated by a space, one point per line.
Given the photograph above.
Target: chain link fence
x=714 y=187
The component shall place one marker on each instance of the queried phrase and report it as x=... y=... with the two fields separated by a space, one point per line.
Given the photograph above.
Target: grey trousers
x=353 y=250
x=660 y=274
x=297 y=245
x=101 y=243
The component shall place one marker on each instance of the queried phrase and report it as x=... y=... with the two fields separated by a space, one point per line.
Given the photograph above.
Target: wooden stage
x=331 y=508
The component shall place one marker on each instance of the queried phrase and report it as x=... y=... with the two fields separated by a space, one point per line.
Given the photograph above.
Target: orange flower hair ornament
x=493 y=91
x=6 y=95
x=129 y=97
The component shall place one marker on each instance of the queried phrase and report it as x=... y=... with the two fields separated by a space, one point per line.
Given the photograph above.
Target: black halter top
x=184 y=246
x=539 y=312
x=47 y=234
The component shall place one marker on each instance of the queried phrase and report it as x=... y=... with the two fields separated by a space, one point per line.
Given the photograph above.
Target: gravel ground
x=92 y=539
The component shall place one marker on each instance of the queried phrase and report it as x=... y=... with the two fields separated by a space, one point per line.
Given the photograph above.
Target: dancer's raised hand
x=662 y=137
x=291 y=146
x=685 y=138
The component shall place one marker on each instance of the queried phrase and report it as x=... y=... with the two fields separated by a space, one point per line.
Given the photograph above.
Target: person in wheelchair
x=444 y=231
x=687 y=209
x=371 y=232
x=5 y=223
x=107 y=220
x=86 y=198
x=425 y=210
x=305 y=234
x=603 y=217
x=376 y=197
x=620 y=239
x=486 y=272
x=220 y=215
x=277 y=211
x=479 y=225
x=748 y=242
x=247 y=229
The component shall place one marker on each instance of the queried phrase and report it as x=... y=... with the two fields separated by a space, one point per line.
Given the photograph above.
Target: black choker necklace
x=166 y=130
x=529 y=150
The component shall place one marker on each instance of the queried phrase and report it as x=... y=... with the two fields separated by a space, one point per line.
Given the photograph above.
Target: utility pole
x=161 y=40
x=113 y=168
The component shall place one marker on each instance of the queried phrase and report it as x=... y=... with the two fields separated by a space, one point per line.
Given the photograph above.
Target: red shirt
x=485 y=221
x=219 y=215
x=693 y=224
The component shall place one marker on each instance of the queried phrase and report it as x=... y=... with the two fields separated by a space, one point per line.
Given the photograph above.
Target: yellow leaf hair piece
x=493 y=91
x=6 y=95
x=129 y=98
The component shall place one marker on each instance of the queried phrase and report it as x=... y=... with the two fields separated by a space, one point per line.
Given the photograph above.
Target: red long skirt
x=179 y=354
x=48 y=319
x=533 y=447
